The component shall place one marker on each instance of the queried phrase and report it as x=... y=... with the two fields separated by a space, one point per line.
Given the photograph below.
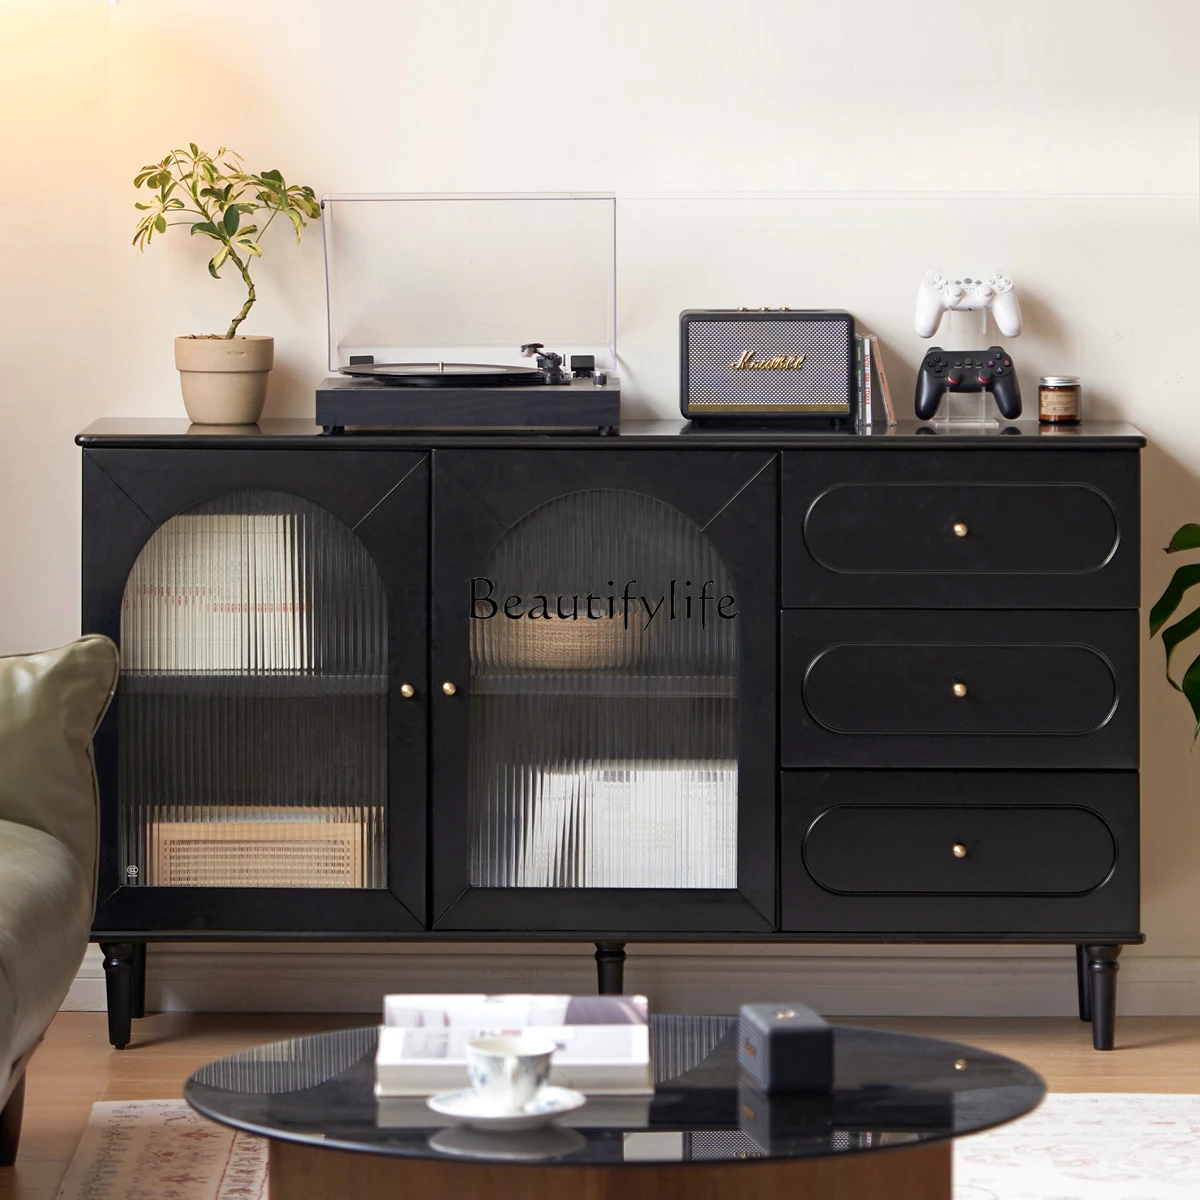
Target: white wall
x=772 y=151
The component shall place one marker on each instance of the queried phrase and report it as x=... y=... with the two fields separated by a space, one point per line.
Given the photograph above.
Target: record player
x=431 y=300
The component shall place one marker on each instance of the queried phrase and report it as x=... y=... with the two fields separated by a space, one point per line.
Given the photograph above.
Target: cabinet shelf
x=606 y=683
x=274 y=684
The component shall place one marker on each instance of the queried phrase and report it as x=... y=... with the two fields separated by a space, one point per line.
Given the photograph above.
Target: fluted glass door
x=600 y=763
x=604 y=701
x=253 y=733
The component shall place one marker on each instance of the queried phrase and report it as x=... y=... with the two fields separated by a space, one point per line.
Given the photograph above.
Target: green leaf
x=143 y=175
x=1174 y=634
x=160 y=223
x=1168 y=602
x=1190 y=687
x=231 y=220
x=214 y=263
x=141 y=204
x=253 y=247
x=274 y=176
x=296 y=220
x=194 y=149
x=174 y=202
x=1187 y=537
x=207 y=227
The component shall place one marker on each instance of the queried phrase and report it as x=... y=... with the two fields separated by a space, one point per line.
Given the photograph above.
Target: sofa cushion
x=51 y=703
x=45 y=917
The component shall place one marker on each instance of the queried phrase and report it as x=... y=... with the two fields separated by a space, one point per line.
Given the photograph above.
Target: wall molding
x=846 y=981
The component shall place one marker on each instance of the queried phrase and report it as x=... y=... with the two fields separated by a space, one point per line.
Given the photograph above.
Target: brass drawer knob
x=449 y=688
x=960 y=690
x=960 y=530
x=407 y=691
x=959 y=850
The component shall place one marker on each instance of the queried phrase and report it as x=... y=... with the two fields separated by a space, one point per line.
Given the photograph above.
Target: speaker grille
x=821 y=386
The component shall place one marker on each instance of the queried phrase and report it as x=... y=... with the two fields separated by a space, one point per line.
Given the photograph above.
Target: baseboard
x=848 y=981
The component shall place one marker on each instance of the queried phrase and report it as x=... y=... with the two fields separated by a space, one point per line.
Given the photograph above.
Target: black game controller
x=968 y=371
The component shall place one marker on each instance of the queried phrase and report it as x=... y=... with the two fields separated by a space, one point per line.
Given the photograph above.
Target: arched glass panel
x=253 y=710
x=603 y=720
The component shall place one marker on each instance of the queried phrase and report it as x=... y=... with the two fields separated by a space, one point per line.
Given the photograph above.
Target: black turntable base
x=464 y=396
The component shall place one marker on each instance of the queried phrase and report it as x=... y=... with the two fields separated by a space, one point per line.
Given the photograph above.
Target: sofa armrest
x=51 y=703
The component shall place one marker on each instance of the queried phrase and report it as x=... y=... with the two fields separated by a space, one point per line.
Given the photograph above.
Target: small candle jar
x=1059 y=400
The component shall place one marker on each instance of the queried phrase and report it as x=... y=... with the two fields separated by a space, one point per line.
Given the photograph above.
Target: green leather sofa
x=51 y=703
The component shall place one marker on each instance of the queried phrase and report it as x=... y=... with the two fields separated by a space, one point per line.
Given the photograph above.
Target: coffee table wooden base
x=300 y=1172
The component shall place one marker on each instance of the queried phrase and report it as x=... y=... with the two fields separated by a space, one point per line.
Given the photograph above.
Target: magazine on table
x=603 y=1041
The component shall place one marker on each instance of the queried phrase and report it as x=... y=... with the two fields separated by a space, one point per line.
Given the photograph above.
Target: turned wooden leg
x=610 y=968
x=137 y=991
x=118 y=979
x=10 y=1124
x=1083 y=983
x=1102 y=970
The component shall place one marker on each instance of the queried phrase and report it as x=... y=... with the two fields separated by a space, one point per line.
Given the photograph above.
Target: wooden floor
x=75 y=1066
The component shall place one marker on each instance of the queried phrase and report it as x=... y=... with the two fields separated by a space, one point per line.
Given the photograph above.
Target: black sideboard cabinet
x=679 y=683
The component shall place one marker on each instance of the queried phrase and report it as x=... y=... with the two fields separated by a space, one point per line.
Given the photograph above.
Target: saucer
x=463 y=1106
x=524 y=1145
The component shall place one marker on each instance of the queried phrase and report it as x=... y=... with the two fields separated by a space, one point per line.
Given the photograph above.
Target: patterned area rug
x=1102 y=1146
x=1075 y=1147
x=162 y=1150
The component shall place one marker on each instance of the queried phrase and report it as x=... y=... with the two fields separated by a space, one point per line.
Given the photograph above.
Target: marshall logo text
x=781 y=362
x=677 y=603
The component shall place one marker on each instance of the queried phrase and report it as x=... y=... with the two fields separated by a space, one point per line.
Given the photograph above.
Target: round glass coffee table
x=707 y=1132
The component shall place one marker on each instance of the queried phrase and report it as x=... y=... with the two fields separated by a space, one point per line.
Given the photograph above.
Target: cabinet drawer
x=971 y=528
x=1038 y=851
x=956 y=849
x=879 y=688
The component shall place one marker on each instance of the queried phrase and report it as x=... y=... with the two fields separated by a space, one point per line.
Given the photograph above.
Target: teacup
x=507 y=1072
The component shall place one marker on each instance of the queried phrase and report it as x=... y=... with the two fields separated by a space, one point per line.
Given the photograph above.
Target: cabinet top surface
x=300 y=433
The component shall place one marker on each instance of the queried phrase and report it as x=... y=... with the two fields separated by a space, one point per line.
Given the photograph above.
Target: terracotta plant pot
x=224 y=379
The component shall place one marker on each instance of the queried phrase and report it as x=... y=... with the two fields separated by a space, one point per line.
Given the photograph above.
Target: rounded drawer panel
x=873 y=849
x=961 y=528
x=959 y=688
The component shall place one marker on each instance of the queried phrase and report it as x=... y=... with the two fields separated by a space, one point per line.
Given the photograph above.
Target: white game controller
x=938 y=294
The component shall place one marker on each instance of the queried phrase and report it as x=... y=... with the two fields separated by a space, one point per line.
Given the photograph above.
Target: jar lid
x=1059 y=381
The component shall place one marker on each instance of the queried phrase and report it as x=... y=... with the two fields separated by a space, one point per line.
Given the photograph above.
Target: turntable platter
x=447 y=374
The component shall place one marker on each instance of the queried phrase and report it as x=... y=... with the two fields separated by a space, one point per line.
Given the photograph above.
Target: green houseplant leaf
x=1187 y=537
x=1169 y=601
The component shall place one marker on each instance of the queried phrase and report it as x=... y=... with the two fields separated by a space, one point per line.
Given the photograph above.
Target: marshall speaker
x=741 y=363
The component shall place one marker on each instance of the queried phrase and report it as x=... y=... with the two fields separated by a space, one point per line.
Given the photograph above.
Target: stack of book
x=603 y=1051
x=872 y=383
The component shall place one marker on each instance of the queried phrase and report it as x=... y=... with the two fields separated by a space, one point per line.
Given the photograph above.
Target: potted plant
x=1187 y=537
x=224 y=376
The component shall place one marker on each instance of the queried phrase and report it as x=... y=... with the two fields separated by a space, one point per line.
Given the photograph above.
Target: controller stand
x=964 y=329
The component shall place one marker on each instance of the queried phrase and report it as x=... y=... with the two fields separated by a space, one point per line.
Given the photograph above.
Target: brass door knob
x=407 y=691
x=960 y=690
x=449 y=688
x=960 y=530
x=959 y=850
